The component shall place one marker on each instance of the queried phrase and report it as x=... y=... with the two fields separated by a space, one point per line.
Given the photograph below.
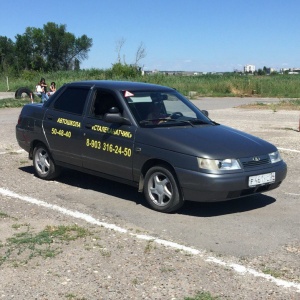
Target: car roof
x=121 y=85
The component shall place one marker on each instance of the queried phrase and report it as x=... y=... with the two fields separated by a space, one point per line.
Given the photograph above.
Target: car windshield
x=163 y=109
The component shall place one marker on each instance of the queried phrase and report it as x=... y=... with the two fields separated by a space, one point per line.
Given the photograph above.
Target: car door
x=108 y=148
x=63 y=125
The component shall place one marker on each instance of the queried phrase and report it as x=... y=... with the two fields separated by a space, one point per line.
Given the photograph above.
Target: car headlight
x=217 y=164
x=275 y=157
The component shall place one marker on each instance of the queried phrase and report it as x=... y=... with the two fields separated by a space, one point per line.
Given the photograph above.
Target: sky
x=178 y=35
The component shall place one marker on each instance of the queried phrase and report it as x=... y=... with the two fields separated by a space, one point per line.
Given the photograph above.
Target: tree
x=7 y=54
x=62 y=48
x=119 y=45
x=265 y=69
x=24 y=51
x=57 y=41
x=123 y=69
x=81 y=49
x=51 y=48
x=140 y=53
x=261 y=72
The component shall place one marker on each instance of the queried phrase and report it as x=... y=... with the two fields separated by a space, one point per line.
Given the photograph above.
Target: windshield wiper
x=198 y=121
x=156 y=121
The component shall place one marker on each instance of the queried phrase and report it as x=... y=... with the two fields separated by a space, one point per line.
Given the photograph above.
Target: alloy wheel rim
x=42 y=161
x=160 y=189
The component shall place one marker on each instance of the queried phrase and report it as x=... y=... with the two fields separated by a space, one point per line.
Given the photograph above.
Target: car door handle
x=88 y=126
x=49 y=117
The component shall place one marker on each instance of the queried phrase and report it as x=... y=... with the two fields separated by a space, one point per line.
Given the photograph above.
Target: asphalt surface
x=5 y=95
x=208 y=103
x=202 y=225
x=212 y=103
x=255 y=230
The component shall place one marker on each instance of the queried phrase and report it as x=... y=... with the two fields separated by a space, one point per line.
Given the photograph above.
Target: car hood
x=205 y=141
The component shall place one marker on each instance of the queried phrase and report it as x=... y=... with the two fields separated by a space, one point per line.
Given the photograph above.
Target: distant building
x=249 y=69
x=270 y=71
x=294 y=71
x=290 y=70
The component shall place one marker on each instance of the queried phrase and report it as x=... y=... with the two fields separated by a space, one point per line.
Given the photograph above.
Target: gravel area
x=106 y=264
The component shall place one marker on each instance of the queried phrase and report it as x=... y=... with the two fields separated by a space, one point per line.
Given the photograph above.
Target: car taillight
x=19 y=120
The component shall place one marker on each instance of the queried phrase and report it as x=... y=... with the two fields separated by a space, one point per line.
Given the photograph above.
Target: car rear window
x=72 y=100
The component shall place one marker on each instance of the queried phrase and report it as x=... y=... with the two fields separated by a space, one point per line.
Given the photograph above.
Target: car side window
x=72 y=100
x=103 y=101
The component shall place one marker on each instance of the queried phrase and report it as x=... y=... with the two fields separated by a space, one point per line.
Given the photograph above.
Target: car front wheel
x=161 y=189
x=44 y=165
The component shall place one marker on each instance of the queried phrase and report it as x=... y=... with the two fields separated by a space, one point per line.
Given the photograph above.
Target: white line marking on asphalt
x=291 y=150
x=89 y=219
x=292 y=194
x=75 y=214
x=243 y=270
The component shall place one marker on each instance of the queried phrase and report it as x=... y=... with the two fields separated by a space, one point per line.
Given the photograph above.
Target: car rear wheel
x=44 y=165
x=161 y=189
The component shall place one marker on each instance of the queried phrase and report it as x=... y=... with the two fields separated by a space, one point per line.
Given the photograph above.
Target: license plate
x=261 y=179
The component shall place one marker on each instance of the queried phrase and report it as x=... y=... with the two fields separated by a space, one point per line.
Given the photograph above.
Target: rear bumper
x=22 y=139
x=204 y=187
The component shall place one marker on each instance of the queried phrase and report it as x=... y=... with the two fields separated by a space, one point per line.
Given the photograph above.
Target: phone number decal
x=115 y=149
x=61 y=132
x=93 y=144
x=119 y=132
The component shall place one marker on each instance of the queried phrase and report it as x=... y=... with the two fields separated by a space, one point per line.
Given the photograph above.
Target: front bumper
x=206 y=187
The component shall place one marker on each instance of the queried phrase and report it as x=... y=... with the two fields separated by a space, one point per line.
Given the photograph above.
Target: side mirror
x=114 y=116
x=205 y=112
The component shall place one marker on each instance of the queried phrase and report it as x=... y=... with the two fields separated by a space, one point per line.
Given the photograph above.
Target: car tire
x=161 y=189
x=23 y=90
x=43 y=163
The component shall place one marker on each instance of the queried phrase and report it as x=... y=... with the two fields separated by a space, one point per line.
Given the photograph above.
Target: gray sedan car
x=148 y=136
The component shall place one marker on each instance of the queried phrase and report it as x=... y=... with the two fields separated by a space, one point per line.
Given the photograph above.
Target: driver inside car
x=157 y=112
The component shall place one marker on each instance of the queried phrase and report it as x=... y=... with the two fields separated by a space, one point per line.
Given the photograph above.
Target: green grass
x=281 y=105
x=272 y=272
x=281 y=86
x=25 y=245
x=10 y=102
x=3 y=215
x=74 y=297
x=202 y=296
x=149 y=246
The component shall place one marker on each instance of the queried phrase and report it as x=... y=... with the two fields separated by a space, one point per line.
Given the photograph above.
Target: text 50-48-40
x=61 y=132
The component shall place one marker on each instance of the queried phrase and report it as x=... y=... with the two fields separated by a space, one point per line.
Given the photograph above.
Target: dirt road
x=6 y=95
x=81 y=237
